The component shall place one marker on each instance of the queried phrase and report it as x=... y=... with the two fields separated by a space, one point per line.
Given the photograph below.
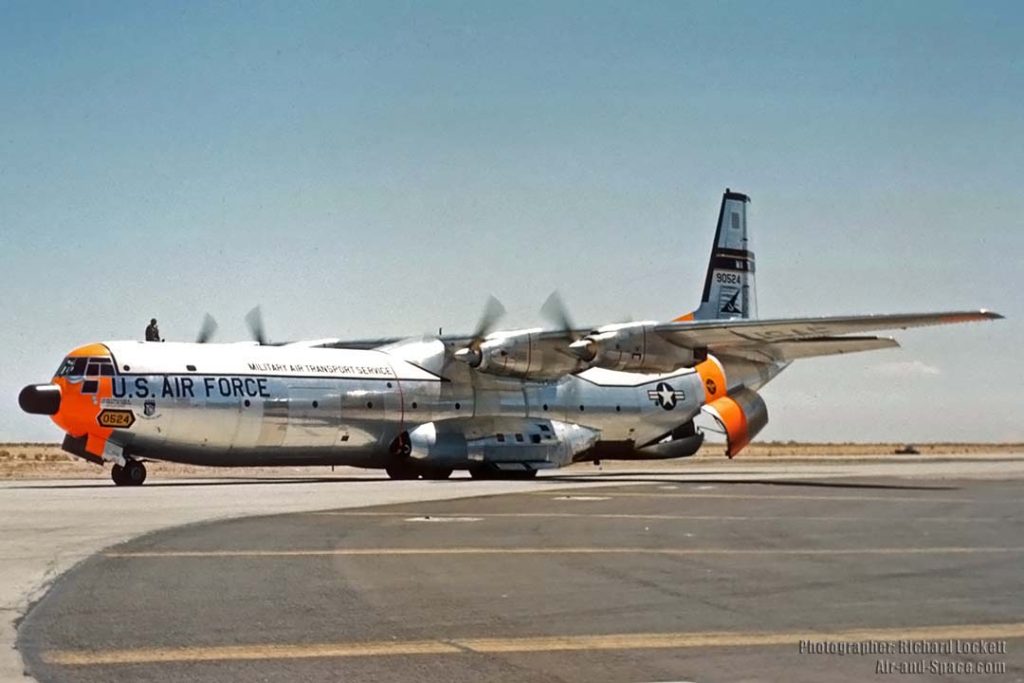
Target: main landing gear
x=132 y=474
x=405 y=470
x=485 y=472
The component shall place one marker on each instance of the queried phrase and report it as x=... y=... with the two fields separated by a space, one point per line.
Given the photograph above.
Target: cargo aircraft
x=496 y=403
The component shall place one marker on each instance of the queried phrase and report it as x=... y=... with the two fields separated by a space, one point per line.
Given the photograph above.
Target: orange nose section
x=85 y=379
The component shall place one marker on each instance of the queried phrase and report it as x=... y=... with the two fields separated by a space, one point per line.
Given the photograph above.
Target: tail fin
x=729 y=286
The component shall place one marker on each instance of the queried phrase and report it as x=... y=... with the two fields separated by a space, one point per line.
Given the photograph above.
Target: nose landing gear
x=132 y=474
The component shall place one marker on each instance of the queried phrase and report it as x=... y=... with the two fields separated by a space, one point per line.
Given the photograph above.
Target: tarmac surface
x=733 y=573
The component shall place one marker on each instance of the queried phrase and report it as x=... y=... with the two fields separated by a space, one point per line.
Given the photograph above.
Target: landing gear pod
x=742 y=414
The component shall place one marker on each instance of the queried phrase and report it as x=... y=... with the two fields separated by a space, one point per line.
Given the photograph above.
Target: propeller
x=206 y=330
x=254 y=319
x=492 y=313
x=555 y=311
x=557 y=314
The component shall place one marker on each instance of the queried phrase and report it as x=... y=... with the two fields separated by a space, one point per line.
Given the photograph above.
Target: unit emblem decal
x=730 y=305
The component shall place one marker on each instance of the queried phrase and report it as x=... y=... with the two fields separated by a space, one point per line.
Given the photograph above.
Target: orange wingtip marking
x=683 y=318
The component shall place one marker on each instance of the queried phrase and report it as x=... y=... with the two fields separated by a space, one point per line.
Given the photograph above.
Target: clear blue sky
x=377 y=168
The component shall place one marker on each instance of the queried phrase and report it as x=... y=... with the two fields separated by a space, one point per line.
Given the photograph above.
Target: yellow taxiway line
x=745 y=496
x=652 y=517
x=379 y=552
x=614 y=641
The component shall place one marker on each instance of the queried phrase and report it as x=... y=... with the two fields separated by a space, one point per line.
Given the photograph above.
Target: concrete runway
x=661 y=574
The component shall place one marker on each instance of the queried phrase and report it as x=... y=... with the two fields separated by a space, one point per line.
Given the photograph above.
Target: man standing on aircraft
x=152 y=331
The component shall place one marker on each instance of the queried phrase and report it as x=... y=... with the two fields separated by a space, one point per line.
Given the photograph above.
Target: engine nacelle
x=742 y=414
x=633 y=347
x=521 y=353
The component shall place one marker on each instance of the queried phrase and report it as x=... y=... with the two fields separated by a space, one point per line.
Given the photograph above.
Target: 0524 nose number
x=116 y=419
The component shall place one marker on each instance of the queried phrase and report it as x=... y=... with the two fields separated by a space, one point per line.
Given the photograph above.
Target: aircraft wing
x=724 y=336
x=786 y=351
x=357 y=343
x=781 y=339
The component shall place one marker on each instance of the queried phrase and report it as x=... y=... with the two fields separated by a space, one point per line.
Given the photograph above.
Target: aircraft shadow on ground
x=218 y=482
x=677 y=478
x=608 y=478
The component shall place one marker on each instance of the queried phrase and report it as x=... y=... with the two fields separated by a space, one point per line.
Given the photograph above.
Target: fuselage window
x=500 y=438
x=535 y=438
x=519 y=438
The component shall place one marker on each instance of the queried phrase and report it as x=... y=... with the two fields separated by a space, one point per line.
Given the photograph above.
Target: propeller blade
x=254 y=319
x=557 y=314
x=492 y=313
x=206 y=330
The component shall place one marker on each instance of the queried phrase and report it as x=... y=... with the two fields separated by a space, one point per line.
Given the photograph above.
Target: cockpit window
x=72 y=367
x=98 y=367
x=86 y=367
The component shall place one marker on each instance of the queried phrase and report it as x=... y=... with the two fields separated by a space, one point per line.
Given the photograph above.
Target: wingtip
x=991 y=315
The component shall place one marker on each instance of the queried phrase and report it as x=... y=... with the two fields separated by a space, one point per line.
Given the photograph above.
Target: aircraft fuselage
x=245 y=404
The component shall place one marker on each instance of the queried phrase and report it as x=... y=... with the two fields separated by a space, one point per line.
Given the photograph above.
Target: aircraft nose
x=40 y=399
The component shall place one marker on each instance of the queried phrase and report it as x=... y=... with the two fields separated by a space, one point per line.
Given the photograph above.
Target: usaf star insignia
x=665 y=396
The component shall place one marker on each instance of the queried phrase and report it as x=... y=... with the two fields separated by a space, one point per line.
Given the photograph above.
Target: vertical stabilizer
x=729 y=286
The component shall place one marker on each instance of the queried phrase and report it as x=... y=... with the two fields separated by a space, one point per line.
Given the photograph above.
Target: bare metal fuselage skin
x=245 y=404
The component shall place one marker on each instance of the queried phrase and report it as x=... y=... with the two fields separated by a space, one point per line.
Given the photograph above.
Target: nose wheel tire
x=132 y=474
